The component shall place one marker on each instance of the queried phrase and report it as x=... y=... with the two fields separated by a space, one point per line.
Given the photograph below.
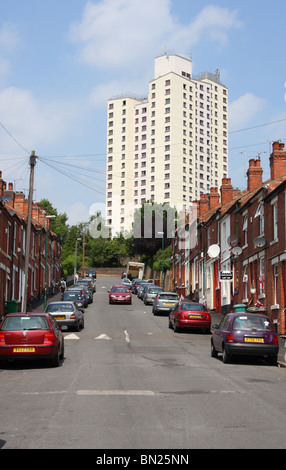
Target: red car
x=189 y=315
x=120 y=294
x=31 y=336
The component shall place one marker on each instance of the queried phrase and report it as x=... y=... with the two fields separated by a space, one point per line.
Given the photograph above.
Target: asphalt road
x=129 y=382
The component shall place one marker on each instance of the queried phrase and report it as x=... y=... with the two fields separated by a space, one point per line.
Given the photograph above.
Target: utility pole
x=83 y=253
x=28 y=231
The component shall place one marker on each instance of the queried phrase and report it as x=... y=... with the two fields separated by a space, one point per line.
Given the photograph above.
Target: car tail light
x=158 y=296
x=230 y=338
x=2 y=336
x=275 y=340
x=49 y=336
x=72 y=317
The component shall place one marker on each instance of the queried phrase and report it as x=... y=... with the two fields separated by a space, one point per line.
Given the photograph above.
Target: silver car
x=164 y=302
x=66 y=313
x=141 y=288
x=151 y=294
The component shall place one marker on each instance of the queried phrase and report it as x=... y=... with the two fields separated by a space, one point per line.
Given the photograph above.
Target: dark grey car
x=164 y=302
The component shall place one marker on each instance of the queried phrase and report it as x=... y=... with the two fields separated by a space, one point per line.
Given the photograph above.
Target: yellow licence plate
x=60 y=317
x=198 y=317
x=168 y=303
x=254 y=340
x=20 y=350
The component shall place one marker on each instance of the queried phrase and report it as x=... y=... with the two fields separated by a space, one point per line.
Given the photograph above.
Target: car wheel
x=62 y=355
x=155 y=312
x=213 y=350
x=225 y=357
x=170 y=324
x=55 y=362
x=77 y=327
x=176 y=328
x=273 y=360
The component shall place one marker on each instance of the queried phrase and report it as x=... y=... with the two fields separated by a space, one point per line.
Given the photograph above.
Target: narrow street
x=129 y=382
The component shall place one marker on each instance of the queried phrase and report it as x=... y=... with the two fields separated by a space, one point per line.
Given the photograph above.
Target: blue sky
x=61 y=60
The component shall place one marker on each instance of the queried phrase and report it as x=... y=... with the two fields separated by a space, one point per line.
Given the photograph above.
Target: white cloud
x=244 y=109
x=77 y=213
x=116 y=33
x=9 y=40
x=32 y=121
x=9 y=37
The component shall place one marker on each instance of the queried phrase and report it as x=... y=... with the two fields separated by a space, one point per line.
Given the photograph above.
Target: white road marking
x=103 y=336
x=71 y=336
x=115 y=393
x=127 y=339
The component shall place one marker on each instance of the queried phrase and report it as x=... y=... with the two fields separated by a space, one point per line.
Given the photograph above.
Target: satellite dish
x=259 y=242
x=232 y=240
x=236 y=250
x=213 y=251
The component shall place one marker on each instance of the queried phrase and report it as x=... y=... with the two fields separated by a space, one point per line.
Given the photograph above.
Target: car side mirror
x=215 y=326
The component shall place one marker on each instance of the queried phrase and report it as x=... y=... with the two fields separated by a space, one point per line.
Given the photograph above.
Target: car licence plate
x=168 y=303
x=60 y=317
x=253 y=340
x=197 y=317
x=20 y=350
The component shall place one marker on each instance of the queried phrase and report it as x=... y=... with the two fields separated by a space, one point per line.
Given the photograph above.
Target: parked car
x=186 y=314
x=144 y=290
x=74 y=296
x=127 y=283
x=164 y=302
x=87 y=282
x=31 y=336
x=66 y=313
x=245 y=334
x=140 y=289
x=136 y=285
x=84 y=292
x=120 y=294
x=151 y=294
x=91 y=273
x=87 y=291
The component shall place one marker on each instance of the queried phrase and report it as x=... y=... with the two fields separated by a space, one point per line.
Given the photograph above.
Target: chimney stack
x=203 y=204
x=213 y=198
x=277 y=160
x=254 y=175
x=226 y=191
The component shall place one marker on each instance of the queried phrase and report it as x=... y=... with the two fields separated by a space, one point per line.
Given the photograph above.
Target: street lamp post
x=162 y=233
x=75 y=258
x=48 y=217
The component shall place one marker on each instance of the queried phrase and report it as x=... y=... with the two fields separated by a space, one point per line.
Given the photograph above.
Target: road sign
x=226 y=276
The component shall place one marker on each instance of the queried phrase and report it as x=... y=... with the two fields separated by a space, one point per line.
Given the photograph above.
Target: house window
x=275 y=221
x=275 y=273
x=245 y=281
x=244 y=228
x=262 y=276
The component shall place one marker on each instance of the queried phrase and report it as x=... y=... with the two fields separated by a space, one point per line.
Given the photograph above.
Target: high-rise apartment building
x=170 y=147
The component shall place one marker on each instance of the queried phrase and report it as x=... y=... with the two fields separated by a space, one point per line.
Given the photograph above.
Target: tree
x=151 y=218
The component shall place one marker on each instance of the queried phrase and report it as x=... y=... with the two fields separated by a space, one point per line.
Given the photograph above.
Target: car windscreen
x=248 y=323
x=154 y=290
x=60 y=307
x=72 y=296
x=120 y=289
x=25 y=323
x=169 y=296
x=193 y=307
